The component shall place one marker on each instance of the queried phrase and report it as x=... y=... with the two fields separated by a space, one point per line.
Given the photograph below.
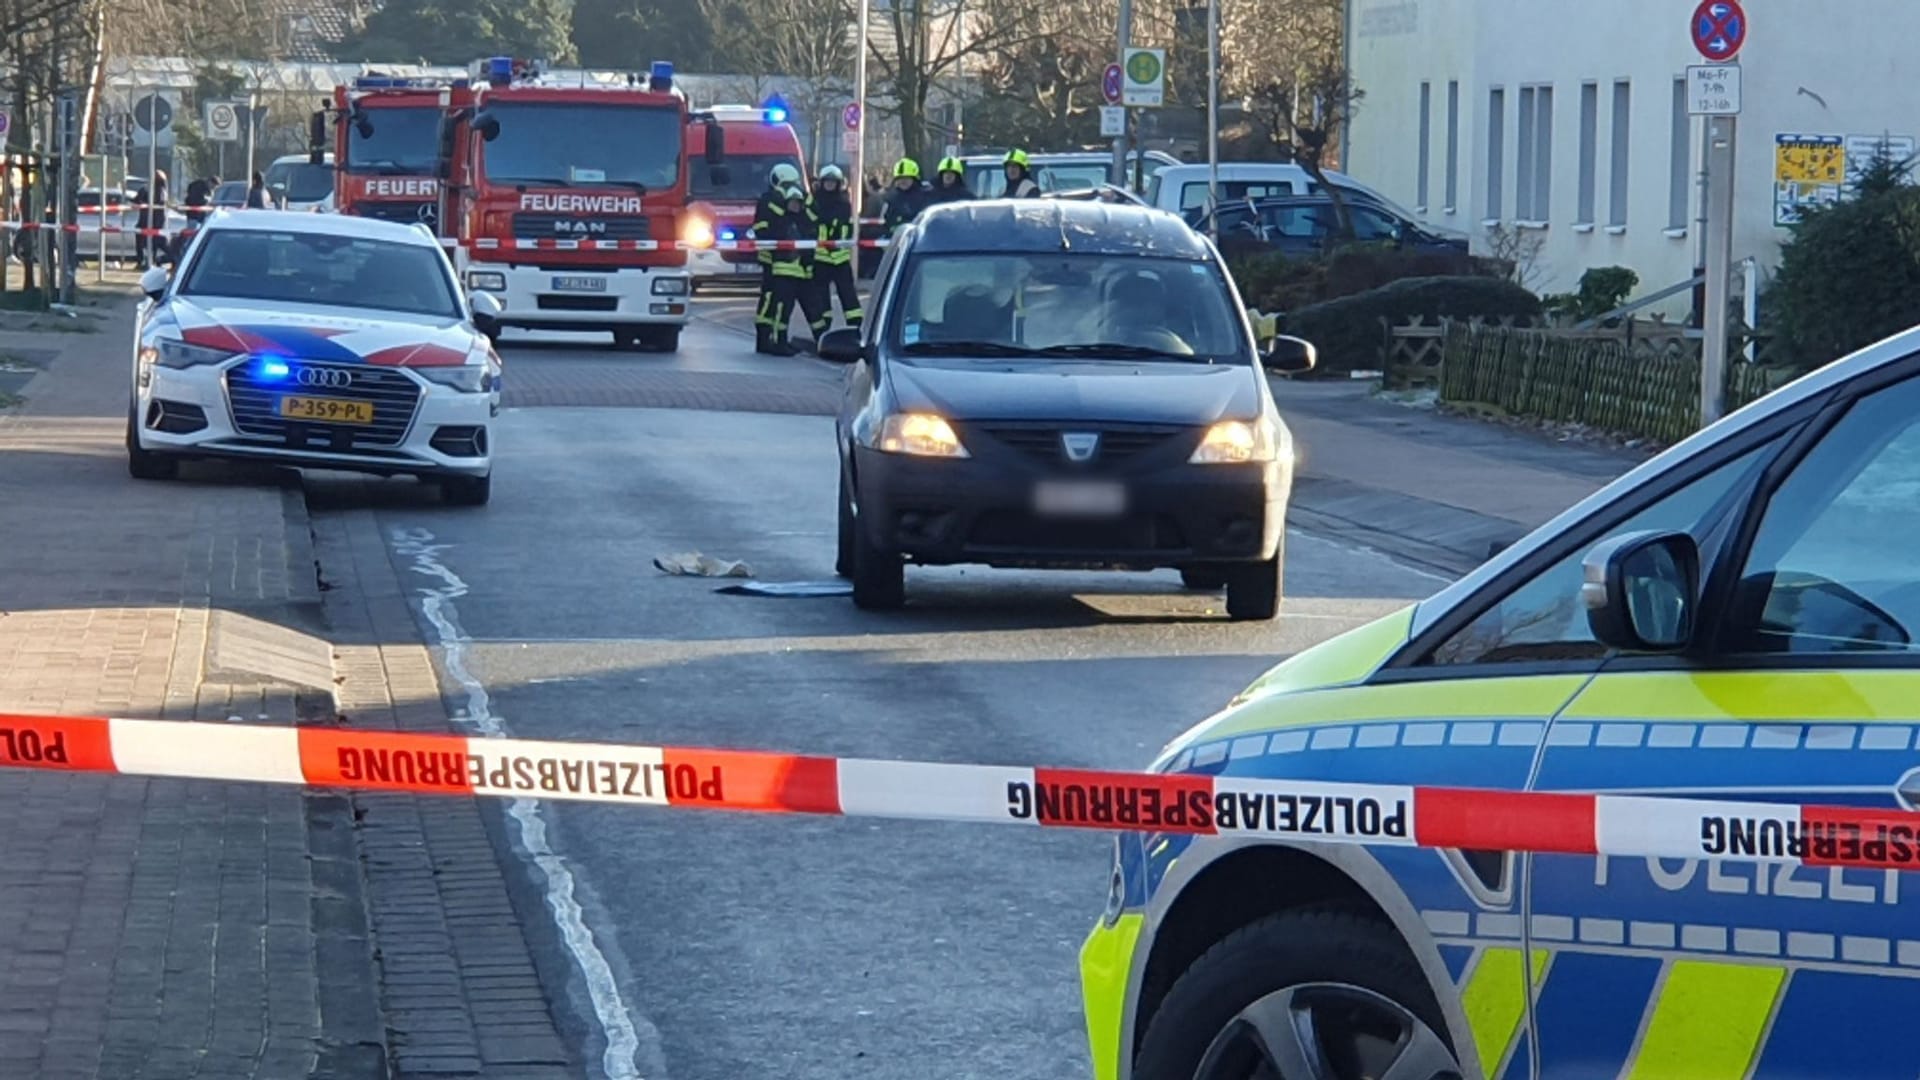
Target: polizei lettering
x=653 y=782
x=579 y=203
x=1182 y=808
x=26 y=746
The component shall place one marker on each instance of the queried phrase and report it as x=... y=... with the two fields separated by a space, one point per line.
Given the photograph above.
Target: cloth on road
x=694 y=564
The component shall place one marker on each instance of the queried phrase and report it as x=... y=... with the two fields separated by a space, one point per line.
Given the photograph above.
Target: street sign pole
x=858 y=181
x=1213 y=103
x=1124 y=27
x=1719 y=30
x=1713 y=340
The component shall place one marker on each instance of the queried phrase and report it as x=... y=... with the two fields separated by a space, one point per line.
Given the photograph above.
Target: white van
x=1182 y=189
x=296 y=183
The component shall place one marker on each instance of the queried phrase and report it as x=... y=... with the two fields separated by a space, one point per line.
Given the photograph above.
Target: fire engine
x=386 y=141
x=568 y=198
x=757 y=138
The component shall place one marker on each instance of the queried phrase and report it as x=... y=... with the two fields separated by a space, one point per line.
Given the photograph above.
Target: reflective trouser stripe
x=1707 y=1021
x=1495 y=1001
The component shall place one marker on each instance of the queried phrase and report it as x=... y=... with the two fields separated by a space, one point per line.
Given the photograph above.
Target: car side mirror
x=1290 y=355
x=842 y=346
x=487 y=310
x=154 y=283
x=716 y=146
x=487 y=126
x=1641 y=590
x=720 y=176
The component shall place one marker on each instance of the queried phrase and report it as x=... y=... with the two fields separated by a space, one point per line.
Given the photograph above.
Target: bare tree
x=1308 y=117
x=808 y=41
x=1045 y=91
x=917 y=44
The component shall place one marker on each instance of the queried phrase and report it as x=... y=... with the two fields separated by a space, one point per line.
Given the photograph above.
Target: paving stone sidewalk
x=163 y=928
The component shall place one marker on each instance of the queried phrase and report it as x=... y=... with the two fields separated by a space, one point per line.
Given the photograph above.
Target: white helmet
x=832 y=172
x=783 y=175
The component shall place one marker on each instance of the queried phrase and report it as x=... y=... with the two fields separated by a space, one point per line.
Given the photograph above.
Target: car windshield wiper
x=387 y=167
x=1119 y=351
x=966 y=348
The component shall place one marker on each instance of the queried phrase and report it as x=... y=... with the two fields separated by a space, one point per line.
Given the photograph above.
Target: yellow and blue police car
x=1735 y=618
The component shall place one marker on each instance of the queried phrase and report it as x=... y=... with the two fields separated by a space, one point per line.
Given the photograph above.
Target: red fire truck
x=757 y=138
x=386 y=140
x=568 y=199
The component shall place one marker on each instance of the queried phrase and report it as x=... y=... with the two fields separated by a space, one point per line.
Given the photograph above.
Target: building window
x=1496 y=152
x=1426 y=144
x=1533 y=181
x=1622 y=141
x=1681 y=162
x=1589 y=151
x=1453 y=146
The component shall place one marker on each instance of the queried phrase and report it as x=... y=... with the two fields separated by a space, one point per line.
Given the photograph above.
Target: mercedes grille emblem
x=328 y=377
x=427 y=213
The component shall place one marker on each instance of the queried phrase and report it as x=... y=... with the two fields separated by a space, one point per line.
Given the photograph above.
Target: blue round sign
x=1110 y=84
x=1719 y=29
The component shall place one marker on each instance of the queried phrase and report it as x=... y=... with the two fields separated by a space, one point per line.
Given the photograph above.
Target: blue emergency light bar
x=660 y=78
x=500 y=70
x=395 y=82
x=774 y=110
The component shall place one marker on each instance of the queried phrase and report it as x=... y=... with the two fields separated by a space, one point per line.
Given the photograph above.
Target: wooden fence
x=1598 y=383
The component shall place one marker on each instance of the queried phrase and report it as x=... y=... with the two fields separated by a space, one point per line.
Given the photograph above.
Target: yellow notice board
x=1808 y=170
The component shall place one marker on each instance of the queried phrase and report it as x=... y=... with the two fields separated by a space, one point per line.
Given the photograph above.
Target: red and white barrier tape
x=543 y=244
x=32 y=226
x=1343 y=813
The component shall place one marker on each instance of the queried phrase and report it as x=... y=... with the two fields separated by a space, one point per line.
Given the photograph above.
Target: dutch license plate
x=579 y=284
x=326 y=410
x=1077 y=498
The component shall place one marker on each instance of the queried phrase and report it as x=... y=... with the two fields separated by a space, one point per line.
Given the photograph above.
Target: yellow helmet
x=1016 y=157
x=952 y=165
x=906 y=167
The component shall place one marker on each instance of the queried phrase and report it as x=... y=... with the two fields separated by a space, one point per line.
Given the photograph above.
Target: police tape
x=551 y=244
x=1187 y=804
x=48 y=226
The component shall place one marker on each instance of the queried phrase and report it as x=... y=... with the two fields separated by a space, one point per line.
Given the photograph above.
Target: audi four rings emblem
x=328 y=377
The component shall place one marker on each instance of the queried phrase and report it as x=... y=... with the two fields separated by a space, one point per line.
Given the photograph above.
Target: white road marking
x=618 y=1024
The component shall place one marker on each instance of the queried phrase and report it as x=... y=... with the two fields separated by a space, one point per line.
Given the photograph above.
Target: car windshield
x=1093 y=306
x=300 y=181
x=398 y=142
x=233 y=191
x=746 y=176
x=561 y=144
x=320 y=268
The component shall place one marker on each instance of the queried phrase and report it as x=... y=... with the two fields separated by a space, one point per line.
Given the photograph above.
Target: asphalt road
x=721 y=946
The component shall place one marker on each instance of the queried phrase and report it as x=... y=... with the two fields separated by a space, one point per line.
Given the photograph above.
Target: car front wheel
x=843 y=546
x=144 y=464
x=879 y=577
x=1254 y=589
x=467 y=490
x=1311 y=994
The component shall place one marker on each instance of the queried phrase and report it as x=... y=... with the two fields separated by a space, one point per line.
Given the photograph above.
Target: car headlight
x=1236 y=442
x=921 y=435
x=486 y=281
x=467 y=378
x=670 y=286
x=698 y=232
x=170 y=353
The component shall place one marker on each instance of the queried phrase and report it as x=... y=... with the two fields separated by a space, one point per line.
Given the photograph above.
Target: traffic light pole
x=1124 y=35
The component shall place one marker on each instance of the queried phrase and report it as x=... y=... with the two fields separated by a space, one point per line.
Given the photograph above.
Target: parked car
x=231 y=194
x=1121 y=420
x=319 y=341
x=296 y=183
x=93 y=208
x=1076 y=171
x=1306 y=225
x=1184 y=188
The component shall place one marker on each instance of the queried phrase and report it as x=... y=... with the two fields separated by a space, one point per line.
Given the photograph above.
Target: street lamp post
x=859 y=179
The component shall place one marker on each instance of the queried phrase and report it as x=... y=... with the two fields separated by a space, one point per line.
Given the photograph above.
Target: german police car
x=321 y=341
x=1734 y=619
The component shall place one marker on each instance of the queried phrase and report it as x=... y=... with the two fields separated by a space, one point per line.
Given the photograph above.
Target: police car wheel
x=144 y=464
x=467 y=490
x=1304 y=995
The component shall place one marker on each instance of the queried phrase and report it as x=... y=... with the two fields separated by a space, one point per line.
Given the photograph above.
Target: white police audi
x=316 y=340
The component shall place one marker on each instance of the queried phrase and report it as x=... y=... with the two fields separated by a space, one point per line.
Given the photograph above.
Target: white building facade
x=1567 y=121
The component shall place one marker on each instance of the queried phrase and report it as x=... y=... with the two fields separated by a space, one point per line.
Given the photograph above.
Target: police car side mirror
x=1641 y=590
x=487 y=310
x=1290 y=355
x=154 y=283
x=841 y=346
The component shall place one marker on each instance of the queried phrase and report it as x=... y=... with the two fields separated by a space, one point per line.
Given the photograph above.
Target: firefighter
x=789 y=268
x=769 y=219
x=833 y=267
x=906 y=198
x=1020 y=183
x=950 y=185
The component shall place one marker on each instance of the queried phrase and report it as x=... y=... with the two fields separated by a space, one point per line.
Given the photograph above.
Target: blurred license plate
x=1076 y=498
x=326 y=410
x=579 y=284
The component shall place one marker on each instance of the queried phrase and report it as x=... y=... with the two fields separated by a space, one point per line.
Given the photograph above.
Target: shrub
x=1354 y=270
x=1602 y=289
x=1348 y=333
x=1849 y=276
x=1272 y=282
